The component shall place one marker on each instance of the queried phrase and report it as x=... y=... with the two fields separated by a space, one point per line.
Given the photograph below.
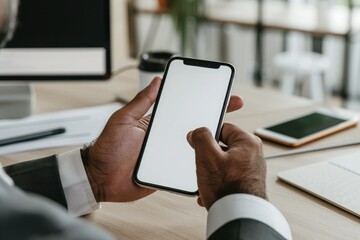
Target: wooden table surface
x=167 y=216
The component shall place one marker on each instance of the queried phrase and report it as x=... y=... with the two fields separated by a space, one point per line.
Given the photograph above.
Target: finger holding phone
x=238 y=169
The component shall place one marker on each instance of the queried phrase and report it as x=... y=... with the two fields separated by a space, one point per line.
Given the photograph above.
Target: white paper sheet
x=82 y=126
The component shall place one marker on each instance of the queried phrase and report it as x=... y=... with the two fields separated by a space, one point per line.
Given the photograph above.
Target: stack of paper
x=82 y=126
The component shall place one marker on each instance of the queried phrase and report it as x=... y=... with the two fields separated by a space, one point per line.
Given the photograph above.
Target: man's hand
x=111 y=160
x=238 y=168
x=110 y=163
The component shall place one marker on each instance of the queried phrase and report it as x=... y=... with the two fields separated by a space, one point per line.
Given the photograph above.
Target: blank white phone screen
x=191 y=97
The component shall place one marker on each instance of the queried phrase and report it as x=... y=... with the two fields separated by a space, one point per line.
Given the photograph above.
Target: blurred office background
x=307 y=47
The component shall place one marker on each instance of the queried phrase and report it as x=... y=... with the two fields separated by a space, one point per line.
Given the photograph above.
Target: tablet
x=307 y=127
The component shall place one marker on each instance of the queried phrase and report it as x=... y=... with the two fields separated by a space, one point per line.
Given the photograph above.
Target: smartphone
x=193 y=93
x=308 y=127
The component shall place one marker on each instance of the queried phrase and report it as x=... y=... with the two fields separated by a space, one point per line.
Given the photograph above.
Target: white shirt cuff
x=239 y=206
x=5 y=177
x=78 y=193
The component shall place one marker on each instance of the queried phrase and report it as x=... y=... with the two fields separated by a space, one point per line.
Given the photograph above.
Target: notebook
x=336 y=180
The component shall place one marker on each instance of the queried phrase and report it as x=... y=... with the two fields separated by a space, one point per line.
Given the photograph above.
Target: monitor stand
x=16 y=100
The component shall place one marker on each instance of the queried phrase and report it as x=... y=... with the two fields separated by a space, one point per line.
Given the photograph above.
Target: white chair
x=298 y=65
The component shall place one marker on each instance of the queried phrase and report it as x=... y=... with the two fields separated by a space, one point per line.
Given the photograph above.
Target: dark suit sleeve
x=244 y=216
x=243 y=229
x=39 y=176
x=24 y=215
x=29 y=216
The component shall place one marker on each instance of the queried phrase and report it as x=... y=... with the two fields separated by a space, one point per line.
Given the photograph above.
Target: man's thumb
x=203 y=142
x=143 y=100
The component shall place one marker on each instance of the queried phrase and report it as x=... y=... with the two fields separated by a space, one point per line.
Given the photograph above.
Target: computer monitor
x=59 y=40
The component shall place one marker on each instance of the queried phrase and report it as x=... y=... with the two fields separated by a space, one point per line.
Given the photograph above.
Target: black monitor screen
x=59 y=39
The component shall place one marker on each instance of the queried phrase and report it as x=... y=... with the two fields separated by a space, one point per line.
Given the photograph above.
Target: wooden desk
x=168 y=216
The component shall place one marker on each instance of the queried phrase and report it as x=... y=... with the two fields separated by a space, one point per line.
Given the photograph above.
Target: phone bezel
x=192 y=62
x=350 y=120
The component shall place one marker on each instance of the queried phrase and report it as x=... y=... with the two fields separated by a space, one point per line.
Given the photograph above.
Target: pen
x=31 y=136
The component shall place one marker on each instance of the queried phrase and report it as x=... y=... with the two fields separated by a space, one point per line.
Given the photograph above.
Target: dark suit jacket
x=25 y=215
x=30 y=216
